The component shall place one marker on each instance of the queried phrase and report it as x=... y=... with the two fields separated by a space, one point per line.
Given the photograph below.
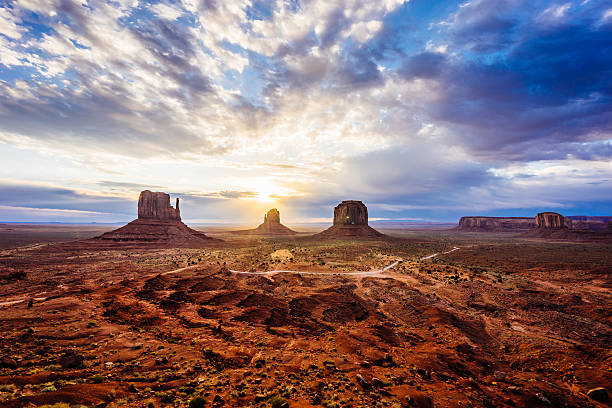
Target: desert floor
x=502 y=321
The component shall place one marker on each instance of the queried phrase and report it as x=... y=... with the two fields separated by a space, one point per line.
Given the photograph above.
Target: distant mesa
x=350 y=221
x=157 y=223
x=547 y=224
x=586 y=222
x=549 y=220
x=496 y=224
x=270 y=226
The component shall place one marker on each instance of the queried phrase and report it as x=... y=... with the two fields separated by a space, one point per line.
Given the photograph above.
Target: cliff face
x=351 y=213
x=495 y=224
x=157 y=205
x=272 y=216
x=549 y=220
x=350 y=221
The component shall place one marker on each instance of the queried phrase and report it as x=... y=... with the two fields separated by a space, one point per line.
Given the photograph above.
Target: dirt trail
x=372 y=272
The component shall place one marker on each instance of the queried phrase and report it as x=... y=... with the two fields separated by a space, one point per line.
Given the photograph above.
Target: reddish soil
x=501 y=322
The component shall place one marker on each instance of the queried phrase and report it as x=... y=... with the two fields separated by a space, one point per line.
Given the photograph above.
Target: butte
x=157 y=223
x=350 y=221
x=270 y=226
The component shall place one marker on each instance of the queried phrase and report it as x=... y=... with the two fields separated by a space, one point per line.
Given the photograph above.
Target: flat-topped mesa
x=157 y=205
x=549 y=220
x=350 y=221
x=351 y=212
x=495 y=224
x=272 y=216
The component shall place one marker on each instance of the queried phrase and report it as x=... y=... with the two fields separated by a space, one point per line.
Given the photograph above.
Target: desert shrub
x=96 y=379
x=278 y=402
x=7 y=388
x=49 y=388
x=197 y=402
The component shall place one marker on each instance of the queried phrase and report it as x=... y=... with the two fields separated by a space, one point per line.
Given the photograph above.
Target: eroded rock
x=157 y=205
x=549 y=220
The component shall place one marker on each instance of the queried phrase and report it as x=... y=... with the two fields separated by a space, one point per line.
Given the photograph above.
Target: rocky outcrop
x=157 y=223
x=495 y=224
x=549 y=220
x=270 y=226
x=272 y=217
x=350 y=221
x=351 y=213
x=156 y=205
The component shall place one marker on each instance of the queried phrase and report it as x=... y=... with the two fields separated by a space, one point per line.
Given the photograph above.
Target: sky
x=425 y=110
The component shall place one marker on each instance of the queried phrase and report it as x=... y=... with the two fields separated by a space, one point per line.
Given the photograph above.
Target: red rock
x=549 y=220
x=351 y=213
x=157 y=223
x=350 y=221
x=270 y=226
x=157 y=205
x=495 y=224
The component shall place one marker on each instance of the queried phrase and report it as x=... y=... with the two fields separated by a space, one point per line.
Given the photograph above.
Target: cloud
x=403 y=104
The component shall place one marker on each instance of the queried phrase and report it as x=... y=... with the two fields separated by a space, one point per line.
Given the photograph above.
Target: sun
x=266 y=192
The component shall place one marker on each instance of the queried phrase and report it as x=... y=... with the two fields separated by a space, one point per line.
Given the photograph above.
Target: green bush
x=197 y=402
x=278 y=402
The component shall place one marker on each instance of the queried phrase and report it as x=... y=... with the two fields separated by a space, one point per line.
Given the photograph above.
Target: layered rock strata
x=496 y=224
x=549 y=220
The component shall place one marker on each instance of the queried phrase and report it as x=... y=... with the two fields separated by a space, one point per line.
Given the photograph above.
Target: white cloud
x=166 y=12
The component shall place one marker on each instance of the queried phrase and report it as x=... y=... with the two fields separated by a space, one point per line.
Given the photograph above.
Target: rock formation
x=270 y=226
x=495 y=224
x=157 y=205
x=549 y=220
x=272 y=217
x=351 y=213
x=157 y=223
x=350 y=221
x=587 y=222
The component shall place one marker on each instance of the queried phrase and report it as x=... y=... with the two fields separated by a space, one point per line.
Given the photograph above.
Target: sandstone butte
x=157 y=223
x=549 y=220
x=350 y=221
x=270 y=226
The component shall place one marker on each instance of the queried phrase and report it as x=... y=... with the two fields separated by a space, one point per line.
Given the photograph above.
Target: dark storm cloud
x=549 y=88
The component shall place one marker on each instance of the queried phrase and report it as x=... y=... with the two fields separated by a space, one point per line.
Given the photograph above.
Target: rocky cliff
x=495 y=224
x=157 y=205
x=351 y=213
x=549 y=220
x=350 y=221
x=270 y=226
x=272 y=216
